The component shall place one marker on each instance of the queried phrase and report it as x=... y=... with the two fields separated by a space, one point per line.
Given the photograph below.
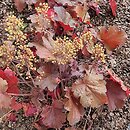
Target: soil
x=101 y=118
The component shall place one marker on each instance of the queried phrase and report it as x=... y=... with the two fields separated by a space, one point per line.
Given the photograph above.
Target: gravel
x=120 y=58
x=120 y=63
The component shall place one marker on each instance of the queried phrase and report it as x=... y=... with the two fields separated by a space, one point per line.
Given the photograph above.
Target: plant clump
x=57 y=60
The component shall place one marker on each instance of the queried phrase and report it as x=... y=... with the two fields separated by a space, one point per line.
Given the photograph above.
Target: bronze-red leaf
x=112 y=37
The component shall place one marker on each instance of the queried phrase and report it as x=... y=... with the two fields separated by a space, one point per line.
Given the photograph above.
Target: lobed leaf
x=116 y=92
x=53 y=116
x=112 y=37
x=91 y=90
x=74 y=107
x=5 y=101
x=20 y=5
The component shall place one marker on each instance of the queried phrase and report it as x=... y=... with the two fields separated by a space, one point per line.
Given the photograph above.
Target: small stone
x=111 y=114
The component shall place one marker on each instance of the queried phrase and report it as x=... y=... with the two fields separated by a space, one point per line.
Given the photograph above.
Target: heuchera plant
x=62 y=59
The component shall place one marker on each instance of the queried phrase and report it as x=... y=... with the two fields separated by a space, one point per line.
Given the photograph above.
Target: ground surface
x=100 y=119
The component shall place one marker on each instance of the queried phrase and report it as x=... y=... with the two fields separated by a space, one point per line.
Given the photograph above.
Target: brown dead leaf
x=3 y=85
x=81 y=11
x=74 y=107
x=5 y=101
x=91 y=89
